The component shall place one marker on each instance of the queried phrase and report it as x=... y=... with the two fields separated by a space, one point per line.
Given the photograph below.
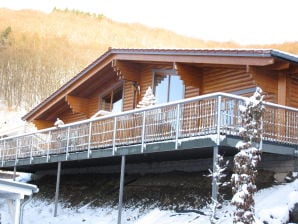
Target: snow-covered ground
x=272 y=206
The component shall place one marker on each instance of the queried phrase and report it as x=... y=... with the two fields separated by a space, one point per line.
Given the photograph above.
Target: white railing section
x=216 y=113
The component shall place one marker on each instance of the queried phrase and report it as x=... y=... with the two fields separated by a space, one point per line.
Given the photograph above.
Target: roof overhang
x=203 y=56
x=16 y=190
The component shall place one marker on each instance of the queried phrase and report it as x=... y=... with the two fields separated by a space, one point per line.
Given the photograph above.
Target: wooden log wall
x=191 y=91
x=145 y=80
x=226 y=80
x=292 y=91
x=69 y=117
x=198 y=80
x=129 y=92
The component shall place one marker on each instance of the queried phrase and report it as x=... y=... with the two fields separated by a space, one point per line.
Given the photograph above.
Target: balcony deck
x=196 y=123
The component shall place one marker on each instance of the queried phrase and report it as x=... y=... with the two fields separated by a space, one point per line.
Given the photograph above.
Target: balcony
x=200 y=122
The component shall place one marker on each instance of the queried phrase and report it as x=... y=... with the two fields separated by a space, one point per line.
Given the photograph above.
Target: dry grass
x=60 y=44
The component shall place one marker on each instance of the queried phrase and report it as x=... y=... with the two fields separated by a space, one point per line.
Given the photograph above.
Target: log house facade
x=125 y=74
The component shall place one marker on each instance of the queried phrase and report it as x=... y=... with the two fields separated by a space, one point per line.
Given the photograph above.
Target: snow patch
x=272 y=205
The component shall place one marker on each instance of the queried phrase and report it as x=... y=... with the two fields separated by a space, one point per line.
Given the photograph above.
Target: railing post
x=89 y=140
x=4 y=149
x=17 y=151
x=261 y=140
x=31 y=153
x=177 y=126
x=1 y=153
x=67 y=142
x=49 y=143
x=215 y=152
x=114 y=135
x=219 y=99
x=143 y=132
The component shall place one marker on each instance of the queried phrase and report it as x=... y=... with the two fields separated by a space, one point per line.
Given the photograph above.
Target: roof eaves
x=285 y=56
x=198 y=52
x=182 y=52
x=67 y=84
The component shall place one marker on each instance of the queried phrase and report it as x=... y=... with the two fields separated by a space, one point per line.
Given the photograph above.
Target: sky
x=242 y=21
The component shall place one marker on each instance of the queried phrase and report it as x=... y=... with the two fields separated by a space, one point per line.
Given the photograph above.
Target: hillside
x=39 y=52
x=149 y=198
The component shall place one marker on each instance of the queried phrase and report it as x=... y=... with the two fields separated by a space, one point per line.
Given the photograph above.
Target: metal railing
x=216 y=113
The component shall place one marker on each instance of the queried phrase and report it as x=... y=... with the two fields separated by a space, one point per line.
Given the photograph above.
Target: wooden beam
x=126 y=70
x=42 y=124
x=191 y=75
x=282 y=89
x=225 y=60
x=278 y=66
x=78 y=104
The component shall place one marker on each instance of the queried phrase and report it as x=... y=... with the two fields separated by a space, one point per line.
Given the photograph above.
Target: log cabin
x=197 y=95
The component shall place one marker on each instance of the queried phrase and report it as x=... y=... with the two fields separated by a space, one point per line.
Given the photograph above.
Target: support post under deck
x=14 y=173
x=57 y=189
x=214 y=181
x=121 y=189
x=215 y=151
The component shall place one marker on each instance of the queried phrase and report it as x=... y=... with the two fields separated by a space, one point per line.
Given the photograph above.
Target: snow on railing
x=216 y=113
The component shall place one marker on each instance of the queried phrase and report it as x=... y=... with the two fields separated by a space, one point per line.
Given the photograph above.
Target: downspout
x=22 y=208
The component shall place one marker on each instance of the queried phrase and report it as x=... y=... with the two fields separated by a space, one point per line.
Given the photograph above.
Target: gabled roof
x=131 y=54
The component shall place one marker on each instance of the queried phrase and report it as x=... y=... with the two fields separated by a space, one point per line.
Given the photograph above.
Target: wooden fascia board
x=78 y=104
x=60 y=95
x=228 y=60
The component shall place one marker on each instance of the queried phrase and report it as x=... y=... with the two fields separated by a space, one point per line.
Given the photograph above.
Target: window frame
x=110 y=91
x=166 y=72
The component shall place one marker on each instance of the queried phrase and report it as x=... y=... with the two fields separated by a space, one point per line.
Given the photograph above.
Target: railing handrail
x=140 y=110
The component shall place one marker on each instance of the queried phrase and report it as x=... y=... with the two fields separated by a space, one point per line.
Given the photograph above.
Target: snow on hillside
x=10 y=121
x=272 y=206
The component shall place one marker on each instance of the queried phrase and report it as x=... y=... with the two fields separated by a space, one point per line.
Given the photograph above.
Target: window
x=112 y=101
x=168 y=88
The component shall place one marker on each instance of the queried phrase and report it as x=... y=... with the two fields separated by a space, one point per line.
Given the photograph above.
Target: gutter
x=285 y=56
x=22 y=208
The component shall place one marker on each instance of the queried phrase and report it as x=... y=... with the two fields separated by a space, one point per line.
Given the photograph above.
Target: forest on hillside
x=39 y=52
